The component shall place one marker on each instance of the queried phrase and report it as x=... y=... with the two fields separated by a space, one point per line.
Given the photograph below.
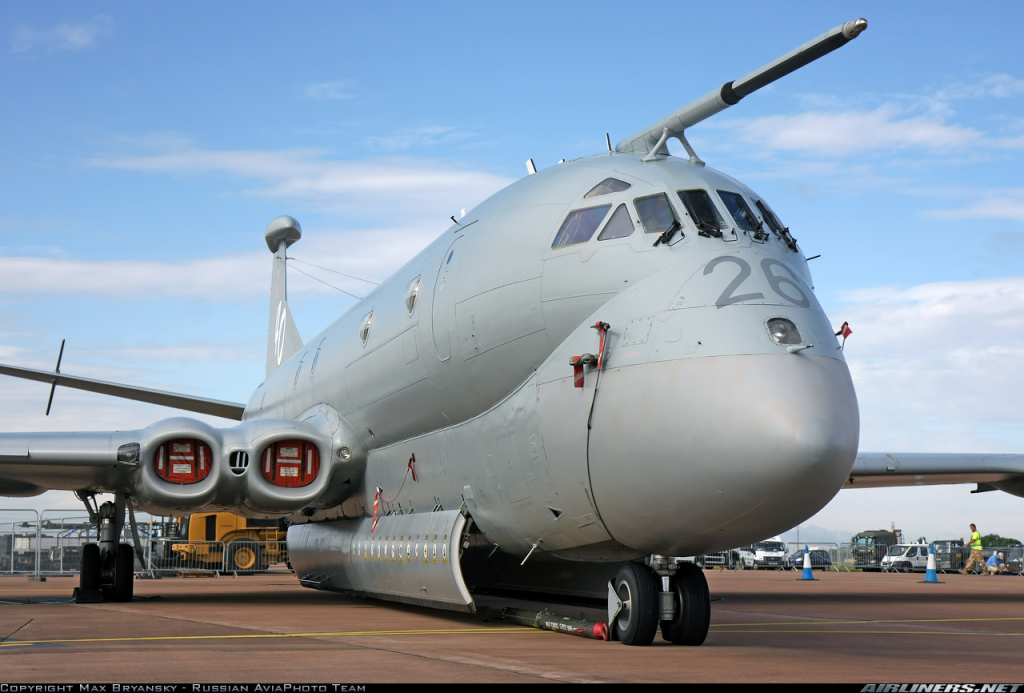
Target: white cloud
x=398 y=185
x=936 y=366
x=851 y=133
x=416 y=137
x=1000 y=86
x=992 y=204
x=66 y=36
x=330 y=91
x=371 y=254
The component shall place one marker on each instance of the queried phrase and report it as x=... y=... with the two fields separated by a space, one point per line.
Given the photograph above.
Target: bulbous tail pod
x=413 y=558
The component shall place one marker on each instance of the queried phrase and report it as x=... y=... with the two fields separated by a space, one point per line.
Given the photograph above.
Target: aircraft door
x=442 y=320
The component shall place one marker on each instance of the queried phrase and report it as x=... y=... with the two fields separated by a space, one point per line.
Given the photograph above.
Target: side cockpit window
x=619 y=226
x=744 y=217
x=607 y=186
x=580 y=226
x=776 y=225
x=656 y=213
x=703 y=212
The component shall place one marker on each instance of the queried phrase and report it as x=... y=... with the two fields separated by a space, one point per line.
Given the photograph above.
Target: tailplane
x=283 y=337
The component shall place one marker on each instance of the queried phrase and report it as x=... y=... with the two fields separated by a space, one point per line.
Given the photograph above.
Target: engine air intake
x=183 y=460
x=290 y=463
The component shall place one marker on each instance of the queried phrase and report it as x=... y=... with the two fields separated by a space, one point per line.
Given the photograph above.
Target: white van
x=906 y=558
x=770 y=553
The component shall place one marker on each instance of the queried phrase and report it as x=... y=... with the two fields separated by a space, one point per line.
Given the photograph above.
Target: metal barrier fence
x=49 y=543
x=182 y=557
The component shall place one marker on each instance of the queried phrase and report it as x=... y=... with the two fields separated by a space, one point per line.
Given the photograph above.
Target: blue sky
x=144 y=148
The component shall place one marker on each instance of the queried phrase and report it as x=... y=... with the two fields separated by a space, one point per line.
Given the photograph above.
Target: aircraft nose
x=698 y=455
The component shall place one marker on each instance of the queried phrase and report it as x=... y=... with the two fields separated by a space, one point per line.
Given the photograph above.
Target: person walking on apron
x=975 y=544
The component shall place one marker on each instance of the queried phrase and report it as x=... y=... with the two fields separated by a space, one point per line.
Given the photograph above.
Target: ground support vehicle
x=230 y=543
x=870 y=547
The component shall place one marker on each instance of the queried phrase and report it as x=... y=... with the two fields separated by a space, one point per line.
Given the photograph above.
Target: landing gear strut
x=674 y=595
x=108 y=570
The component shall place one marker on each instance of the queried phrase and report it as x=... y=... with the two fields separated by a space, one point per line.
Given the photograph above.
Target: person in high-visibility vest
x=975 y=544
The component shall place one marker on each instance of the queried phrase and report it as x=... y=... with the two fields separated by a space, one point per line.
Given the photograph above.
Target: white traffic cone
x=930 y=574
x=808 y=574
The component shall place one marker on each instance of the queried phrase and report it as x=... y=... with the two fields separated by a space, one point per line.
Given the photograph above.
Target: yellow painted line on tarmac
x=880 y=620
x=257 y=636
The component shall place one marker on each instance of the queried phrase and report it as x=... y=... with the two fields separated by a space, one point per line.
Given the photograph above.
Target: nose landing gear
x=682 y=606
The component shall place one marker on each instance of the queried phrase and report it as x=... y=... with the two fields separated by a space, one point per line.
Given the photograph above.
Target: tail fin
x=283 y=337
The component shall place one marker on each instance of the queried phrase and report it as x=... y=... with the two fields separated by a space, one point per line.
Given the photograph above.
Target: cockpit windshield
x=703 y=212
x=739 y=210
x=580 y=225
x=655 y=212
x=775 y=224
x=769 y=218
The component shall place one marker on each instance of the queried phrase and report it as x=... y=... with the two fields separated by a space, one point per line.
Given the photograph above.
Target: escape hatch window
x=744 y=217
x=703 y=212
x=655 y=212
x=608 y=186
x=619 y=226
x=580 y=225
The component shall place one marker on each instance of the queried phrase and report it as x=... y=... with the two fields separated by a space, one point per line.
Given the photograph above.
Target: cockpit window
x=608 y=185
x=769 y=217
x=703 y=212
x=580 y=225
x=655 y=212
x=739 y=210
x=776 y=225
x=619 y=226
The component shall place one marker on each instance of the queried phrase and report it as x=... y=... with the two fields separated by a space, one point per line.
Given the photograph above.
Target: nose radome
x=706 y=454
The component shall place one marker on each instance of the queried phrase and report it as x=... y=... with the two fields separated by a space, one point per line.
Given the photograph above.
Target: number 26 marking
x=776 y=281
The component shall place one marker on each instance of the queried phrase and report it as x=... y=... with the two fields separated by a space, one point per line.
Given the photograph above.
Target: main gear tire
x=89 y=578
x=124 y=574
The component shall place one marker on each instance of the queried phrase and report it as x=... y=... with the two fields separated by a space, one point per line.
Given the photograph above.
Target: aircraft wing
x=201 y=405
x=31 y=463
x=990 y=472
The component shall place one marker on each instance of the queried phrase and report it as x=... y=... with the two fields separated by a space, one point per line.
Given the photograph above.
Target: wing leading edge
x=200 y=405
x=879 y=470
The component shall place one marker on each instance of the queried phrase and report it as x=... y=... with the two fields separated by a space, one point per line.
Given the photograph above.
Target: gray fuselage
x=703 y=434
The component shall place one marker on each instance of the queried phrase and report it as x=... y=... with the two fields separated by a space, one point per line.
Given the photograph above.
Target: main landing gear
x=672 y=595
x=108 y=570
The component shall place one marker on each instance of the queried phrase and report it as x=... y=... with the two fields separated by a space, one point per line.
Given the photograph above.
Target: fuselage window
x=411 y=292
x=608 y=185
x=619 y=226
x=655 y=212
x=316 y=357
x=580 y=225
x=703 y=212
x=364 y=328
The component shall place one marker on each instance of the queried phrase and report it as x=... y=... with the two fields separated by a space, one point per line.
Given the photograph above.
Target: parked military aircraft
x=610 y=362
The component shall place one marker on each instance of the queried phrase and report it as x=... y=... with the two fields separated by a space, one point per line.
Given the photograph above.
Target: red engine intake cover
x=183 y=460
x=290 y=463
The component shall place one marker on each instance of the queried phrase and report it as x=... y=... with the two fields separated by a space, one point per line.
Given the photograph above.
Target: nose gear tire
x=693 y=615
x=637 y=622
